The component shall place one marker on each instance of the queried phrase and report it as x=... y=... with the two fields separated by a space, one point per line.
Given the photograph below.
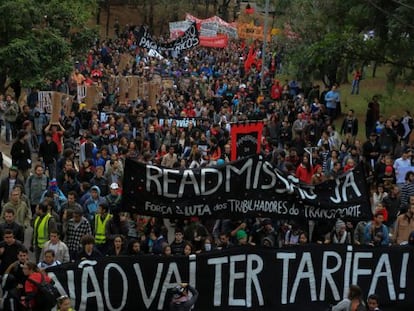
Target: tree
x=333 y=36
x=36 y=39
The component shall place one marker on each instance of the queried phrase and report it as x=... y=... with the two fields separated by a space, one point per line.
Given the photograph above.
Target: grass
x=390 y=104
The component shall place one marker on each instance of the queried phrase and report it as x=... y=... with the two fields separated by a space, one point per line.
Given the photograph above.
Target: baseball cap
x=13 y=168
x=114 y=186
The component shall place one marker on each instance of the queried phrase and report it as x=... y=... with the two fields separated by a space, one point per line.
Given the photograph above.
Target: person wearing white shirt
x=399 y=164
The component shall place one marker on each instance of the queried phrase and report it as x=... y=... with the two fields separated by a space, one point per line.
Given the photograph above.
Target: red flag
x=250 y=58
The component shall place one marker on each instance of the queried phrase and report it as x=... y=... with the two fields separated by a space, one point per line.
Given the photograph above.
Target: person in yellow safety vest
x=101 y=219
x=43 y=224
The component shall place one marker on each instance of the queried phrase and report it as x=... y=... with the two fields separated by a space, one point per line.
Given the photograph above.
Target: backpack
x=47 y=293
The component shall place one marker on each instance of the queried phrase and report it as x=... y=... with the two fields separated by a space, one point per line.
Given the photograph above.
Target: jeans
x=10 y=131
x=51 y=167
x=355 y=87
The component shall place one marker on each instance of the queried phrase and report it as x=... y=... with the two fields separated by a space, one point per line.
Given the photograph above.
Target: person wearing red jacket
x=304 y=171
x=276 y=90
x=31 y=270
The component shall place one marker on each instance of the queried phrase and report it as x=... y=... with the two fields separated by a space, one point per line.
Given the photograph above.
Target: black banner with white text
x=188 y=40
x=298 y=278
x=247 y=187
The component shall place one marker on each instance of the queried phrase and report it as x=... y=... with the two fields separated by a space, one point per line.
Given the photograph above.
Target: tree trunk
x=215 y=4
x=374 y=69
x=344 y=73
x=98 y=16
x=207 y=4
x=108 y=15
x=151 y=15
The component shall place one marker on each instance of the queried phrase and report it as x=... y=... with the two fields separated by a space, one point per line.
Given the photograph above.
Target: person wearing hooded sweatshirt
x=54 y=193
x=91 y=205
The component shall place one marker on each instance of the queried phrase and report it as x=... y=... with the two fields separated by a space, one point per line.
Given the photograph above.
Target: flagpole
x=262 y=78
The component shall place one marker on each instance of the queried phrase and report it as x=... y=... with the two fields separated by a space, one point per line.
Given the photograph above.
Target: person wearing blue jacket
x=91 y=204
x=376 y=233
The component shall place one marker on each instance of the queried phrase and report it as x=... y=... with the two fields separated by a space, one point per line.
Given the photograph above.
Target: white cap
x=114 y=186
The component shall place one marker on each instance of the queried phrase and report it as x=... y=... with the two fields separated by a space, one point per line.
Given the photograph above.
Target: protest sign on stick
x=56 y=107
x=153 y=95
x=123 y=90
x=133 y=87
x=91 y=92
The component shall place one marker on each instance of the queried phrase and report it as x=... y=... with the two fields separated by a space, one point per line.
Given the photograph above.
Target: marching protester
x=77 y=190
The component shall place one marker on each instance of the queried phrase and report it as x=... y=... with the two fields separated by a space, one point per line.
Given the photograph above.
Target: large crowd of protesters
x=66 y=177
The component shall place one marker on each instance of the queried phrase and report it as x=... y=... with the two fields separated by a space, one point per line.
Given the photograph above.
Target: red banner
x=246 y=139
x=219 y=41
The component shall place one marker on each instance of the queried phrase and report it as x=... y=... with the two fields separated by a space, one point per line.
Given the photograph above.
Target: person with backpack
x=40 y=293
x=35 y=185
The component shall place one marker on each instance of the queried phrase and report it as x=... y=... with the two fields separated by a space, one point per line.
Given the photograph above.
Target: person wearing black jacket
x=8 y=183
x=181 y=301
x=21 y=155
x=11 y=224
x=49 y=154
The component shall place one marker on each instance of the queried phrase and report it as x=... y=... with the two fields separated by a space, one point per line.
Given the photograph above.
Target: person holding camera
x=181 y=300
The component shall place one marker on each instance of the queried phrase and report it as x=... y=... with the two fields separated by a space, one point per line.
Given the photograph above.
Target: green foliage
x=332 y=35
x=36 y=38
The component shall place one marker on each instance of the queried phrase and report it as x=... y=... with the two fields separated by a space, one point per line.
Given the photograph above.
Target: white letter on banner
x=302 y=274
x=246 y=167
x=337 y=198
x=123 y=290
x=383 y=261
x=218 y=262
x=349 y=182
x=251 y=276
x=191 y=181
x=204 y=171
x=267 y=169
x=327 y=275
x=357 y=271
x=58 y=285
x=154 y=178
x=233 y=277
x=193 y=270
x=172 y=270
x=257 y=174
x=347 y=272
x=285 y=273
x=148 y=300
x=167 y=181
x=88 y=274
